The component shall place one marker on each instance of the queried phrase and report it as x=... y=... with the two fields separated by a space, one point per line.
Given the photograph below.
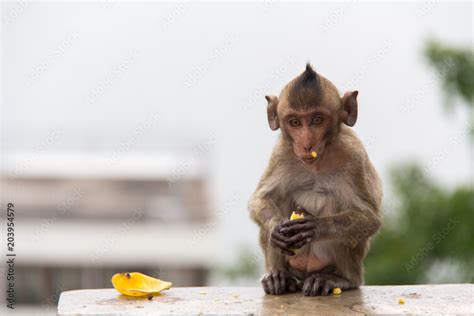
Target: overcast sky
x=97 y=72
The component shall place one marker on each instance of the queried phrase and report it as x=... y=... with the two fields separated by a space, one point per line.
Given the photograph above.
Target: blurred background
x=133 y=134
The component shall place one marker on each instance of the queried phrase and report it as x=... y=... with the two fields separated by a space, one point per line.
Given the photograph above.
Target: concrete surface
x=419 y=299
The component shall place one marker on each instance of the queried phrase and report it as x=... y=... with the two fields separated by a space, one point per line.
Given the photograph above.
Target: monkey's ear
x=349 y=108
x=272 y=112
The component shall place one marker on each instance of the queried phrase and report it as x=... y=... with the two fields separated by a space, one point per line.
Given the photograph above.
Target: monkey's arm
x=265 y=212
x=352 y=226
x=263 y=206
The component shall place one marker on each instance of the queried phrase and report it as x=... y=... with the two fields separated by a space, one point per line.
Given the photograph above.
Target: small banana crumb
x=336 y=291
x=401 y=300
x=314 y=154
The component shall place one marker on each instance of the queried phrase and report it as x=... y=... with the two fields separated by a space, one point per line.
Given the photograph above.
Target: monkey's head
x=310 y=112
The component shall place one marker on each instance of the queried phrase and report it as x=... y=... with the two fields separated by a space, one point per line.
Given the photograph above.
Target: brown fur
x=341 y=190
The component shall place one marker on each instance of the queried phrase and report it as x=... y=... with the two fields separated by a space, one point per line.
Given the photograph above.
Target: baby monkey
x=320 y=166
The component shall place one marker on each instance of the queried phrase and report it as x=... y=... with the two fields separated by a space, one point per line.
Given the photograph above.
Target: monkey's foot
x=322 y=284
x=278 y=282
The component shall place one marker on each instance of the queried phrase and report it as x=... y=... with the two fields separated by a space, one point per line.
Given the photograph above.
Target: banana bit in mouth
x=314 y=154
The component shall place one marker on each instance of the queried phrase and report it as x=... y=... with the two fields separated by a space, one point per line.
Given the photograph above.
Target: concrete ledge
x=419 y=299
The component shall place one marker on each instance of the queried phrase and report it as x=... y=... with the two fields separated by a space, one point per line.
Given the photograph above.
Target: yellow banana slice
x=295 y=215
x=138 y=284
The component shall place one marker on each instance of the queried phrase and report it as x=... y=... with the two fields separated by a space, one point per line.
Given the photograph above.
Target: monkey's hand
x=299 y=232
x=280 y=241
x=278 y=282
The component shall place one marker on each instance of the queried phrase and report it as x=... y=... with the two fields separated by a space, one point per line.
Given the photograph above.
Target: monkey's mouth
x=308 y=160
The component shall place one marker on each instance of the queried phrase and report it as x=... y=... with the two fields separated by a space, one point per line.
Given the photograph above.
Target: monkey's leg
x=322 y=284
x=279 y=282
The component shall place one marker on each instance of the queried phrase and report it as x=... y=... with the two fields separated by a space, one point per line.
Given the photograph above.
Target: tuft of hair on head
x=305 y=90
x=309 y=76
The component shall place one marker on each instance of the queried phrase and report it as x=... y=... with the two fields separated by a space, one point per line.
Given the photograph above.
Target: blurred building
x=80 y=218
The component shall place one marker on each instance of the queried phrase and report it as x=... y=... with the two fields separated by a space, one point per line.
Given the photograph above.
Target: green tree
x=456 y=69
x=432 y=225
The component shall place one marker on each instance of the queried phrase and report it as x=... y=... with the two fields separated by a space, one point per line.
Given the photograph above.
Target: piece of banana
x=336 y=291
x=295 y=215
x=138 y=284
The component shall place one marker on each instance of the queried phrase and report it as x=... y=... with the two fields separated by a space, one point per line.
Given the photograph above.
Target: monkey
x=318 y=165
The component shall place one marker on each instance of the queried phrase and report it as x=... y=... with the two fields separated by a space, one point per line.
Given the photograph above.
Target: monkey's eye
x=317 y=120
x=294 y=122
